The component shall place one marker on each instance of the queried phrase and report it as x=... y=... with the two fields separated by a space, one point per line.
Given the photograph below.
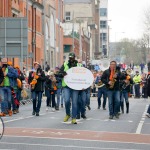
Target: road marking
x=68 y=146
x=139 y=128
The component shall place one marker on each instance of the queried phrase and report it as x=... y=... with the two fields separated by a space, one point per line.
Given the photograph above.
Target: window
x=103 y=24
x=67 y=16
x=103 y=11
x=103 y=36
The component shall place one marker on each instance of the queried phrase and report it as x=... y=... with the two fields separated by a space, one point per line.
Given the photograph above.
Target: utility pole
x=73 y=33
x=27 y=33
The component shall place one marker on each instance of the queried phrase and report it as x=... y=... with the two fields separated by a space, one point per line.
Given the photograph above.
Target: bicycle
x=1 y=128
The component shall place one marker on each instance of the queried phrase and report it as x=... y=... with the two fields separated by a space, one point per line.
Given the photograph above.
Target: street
x=48 y=131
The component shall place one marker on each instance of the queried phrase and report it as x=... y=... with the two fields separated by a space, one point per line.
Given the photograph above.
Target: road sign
x=13 y=37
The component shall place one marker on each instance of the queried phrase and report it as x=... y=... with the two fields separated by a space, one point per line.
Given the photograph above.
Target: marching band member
x=68 y=92
x=101 y=90
x=36 y=80
x=125 y=90
x=111 y=77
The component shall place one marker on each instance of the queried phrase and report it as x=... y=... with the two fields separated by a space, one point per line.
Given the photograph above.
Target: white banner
x=79 y=78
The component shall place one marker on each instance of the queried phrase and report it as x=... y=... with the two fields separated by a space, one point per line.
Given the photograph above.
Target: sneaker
x=89 y=108
x=73 y=121
x=148 y=115
x=10 y=112
x=110 y=117
x=2 y=114
x=14 y=112
x=98 y=107
x=33 y=113
x=117 y=116
x=53 y=109
x=47 y=108
x=57 y=108
x=62 y=106
x=83 y=116
x=37 y=113
x=17 y=110
x=66 y=118
x=78 y=117
x=104 y=108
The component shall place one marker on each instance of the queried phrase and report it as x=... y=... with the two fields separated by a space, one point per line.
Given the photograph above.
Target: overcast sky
x=127 y=16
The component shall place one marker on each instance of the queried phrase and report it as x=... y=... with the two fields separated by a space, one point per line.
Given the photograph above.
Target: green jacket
x=137 y=79
x=66 y=67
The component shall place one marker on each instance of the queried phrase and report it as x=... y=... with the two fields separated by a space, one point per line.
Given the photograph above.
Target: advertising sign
x=79 y=78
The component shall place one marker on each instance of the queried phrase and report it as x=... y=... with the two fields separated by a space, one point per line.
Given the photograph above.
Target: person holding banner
x=68 y=92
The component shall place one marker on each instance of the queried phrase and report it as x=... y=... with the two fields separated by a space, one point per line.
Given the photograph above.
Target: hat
x=36 y=63
x=9 y=63
x=50 y=73
x=72 y=55
x=137 y=71
x=17 y=67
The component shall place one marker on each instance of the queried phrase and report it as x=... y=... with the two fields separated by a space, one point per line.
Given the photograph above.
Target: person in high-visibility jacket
x=137 y=81
x=69 y=94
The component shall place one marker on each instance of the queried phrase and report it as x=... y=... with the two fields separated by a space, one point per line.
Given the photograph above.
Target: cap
x=17 y=67
x=50 y=73
x=36 y=63
x=9 y=63
x=72 y=55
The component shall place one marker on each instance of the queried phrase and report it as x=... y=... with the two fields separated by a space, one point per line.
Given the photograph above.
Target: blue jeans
x=148 y=110
x=124 y=95
x=114 y=102
x=6 y=103
x=102 y=91
x=81 y=103
x=71 y=94
x=50 y=98
x=59 y=98
x=137 y=90
x=37 y=104
x=88 y=92
x=2 y=100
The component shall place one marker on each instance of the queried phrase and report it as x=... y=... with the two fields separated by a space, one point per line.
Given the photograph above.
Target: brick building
x=44 y=29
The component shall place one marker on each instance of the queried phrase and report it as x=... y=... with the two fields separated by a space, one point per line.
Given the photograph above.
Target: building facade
x=44 y=29
x=77 y=33
x=104 y=28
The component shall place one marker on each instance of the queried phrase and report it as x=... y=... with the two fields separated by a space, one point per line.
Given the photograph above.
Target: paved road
x=48 y=131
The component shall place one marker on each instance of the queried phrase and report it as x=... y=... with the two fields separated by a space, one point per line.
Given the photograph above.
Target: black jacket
x=1 y=75
x=48 y=84
x=128 y=88
x=39 y=86
x=105 y=79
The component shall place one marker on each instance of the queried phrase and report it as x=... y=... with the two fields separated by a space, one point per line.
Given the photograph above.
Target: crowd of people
x=114 y=85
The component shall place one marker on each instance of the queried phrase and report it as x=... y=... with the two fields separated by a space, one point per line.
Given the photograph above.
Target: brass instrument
x=127 y=80
x=99 y=84
x=34 y=81
x=113 y=82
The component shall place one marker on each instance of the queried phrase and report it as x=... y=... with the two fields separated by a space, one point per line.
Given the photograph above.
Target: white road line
x=139 y=128
x=68 y=146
